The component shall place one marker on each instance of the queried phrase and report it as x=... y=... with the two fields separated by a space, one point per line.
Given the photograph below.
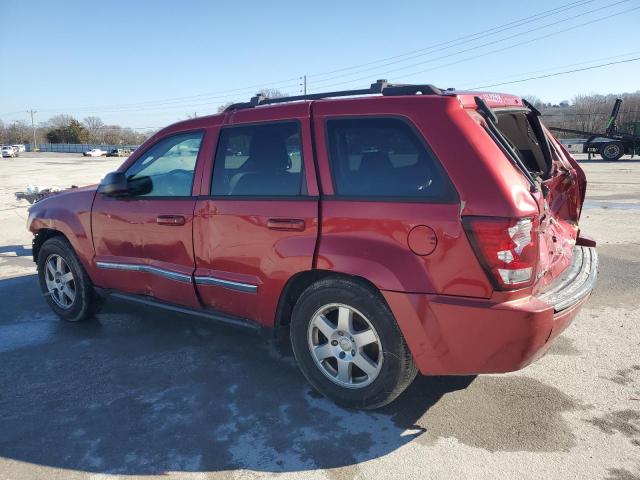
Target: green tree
x=78 y=133
x=73 y=132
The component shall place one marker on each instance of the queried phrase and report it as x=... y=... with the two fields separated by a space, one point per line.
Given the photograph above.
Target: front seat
x=266 y=172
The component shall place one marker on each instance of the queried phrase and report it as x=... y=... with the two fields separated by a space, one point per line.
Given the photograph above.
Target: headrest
x=376 y=162
x=268 y=152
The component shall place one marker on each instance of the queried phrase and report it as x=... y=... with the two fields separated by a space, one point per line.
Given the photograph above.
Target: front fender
x=70 y=214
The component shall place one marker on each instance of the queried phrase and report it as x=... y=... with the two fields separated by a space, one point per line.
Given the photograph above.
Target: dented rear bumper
x=450 y=335
x=576 y=282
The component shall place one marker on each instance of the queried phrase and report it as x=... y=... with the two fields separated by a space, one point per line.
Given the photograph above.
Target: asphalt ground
x=153 y=394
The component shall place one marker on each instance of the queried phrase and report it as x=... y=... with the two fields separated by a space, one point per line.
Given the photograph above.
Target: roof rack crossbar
x=379 y=87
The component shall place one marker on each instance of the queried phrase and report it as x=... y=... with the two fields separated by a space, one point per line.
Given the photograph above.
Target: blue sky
x=147 y=64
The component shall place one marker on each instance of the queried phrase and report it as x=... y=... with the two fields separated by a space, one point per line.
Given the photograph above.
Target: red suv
x=403 y=229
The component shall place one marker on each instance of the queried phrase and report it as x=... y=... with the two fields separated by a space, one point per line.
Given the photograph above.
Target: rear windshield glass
x=383 y=157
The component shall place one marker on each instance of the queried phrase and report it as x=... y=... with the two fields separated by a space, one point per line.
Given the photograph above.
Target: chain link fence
x=75 y=147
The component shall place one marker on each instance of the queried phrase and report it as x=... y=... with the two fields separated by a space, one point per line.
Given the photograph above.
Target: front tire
x=65 y=283
x=348 y=344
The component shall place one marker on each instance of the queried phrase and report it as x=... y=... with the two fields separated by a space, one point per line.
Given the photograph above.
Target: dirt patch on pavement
x=626 y=422
x=563 y=345
x=622 y=474
x=625 y=376
x=618 y=281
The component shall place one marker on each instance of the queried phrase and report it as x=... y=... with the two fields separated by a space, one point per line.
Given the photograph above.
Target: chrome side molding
x=131 y=267
x=179 y=277
x=219 y=282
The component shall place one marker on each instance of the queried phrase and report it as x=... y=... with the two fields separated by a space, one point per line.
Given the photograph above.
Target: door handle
x=175 y=220
x=295 y=224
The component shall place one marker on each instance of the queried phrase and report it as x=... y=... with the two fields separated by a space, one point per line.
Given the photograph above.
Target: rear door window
x=259 y=160
x=384 y=157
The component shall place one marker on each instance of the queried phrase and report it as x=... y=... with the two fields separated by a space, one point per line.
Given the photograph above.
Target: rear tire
x=331 y=355
x=612 y=151
x=65 y=283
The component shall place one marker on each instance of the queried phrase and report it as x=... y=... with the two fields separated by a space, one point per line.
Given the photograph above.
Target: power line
x=463 y=86
x=185 y=106
x=179 y=106
x=497 y=84
x=467 y=38
x=218 y=94
x=518 y=34
x=559 y=73
x=389 y=72
x=156 y=105
x=176 y=100
x=11 y=113
x=490 y=52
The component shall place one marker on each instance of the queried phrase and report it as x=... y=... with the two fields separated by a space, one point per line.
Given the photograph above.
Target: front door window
x=166 y=169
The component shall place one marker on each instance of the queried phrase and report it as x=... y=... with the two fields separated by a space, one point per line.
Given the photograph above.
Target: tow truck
x=612 y=144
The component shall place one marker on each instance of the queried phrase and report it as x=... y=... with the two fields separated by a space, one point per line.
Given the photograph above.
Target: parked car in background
x=119 y=152
x=412 y=230
x=21 y=148
x=94 y=152
x=8 y=151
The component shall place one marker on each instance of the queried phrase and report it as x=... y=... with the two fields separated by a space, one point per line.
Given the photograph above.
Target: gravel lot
x=146 y=392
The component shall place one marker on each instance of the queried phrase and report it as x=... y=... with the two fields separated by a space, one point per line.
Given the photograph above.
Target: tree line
x=584 y=112
x=91 y=130
x=590 y=113
x=67 y=129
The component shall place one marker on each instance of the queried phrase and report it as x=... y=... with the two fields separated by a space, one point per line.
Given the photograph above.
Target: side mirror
x=114 y=184
x=140 y=185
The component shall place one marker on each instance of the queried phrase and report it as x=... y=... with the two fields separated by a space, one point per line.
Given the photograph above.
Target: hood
x=73 y=190
x=66 y=207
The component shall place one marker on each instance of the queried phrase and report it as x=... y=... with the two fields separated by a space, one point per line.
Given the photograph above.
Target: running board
x=209 y=315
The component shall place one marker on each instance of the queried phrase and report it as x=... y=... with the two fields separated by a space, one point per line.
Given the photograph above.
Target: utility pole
x=304 y=84
x=32 y=112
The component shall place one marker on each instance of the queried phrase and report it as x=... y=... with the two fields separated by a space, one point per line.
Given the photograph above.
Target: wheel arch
x=41 y=236
x=299 y=282
x=57 y=216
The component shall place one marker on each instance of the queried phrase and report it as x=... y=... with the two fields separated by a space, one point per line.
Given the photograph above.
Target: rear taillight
x=506 y=247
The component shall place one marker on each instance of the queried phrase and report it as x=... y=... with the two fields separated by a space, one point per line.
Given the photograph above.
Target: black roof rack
x=380 y=87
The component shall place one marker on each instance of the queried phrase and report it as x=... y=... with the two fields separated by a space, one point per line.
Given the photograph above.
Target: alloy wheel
x=345 y=346
x=61 y=285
